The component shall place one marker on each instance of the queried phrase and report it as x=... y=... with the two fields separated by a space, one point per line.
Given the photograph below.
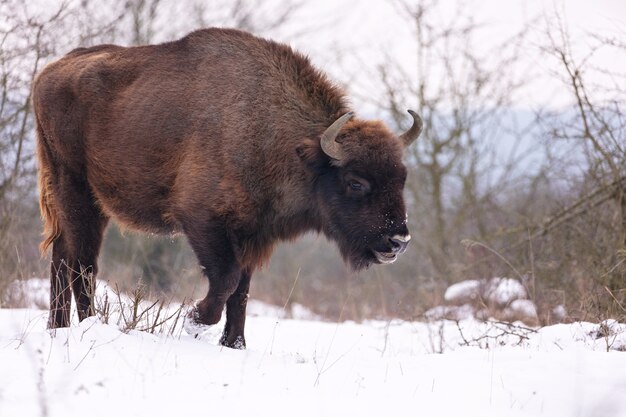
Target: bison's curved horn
x=329 y=145
x=413 y=133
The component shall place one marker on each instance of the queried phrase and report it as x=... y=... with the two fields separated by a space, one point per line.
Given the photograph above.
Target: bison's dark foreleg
x=85 y=266
x=216 y=255
x=233 y=336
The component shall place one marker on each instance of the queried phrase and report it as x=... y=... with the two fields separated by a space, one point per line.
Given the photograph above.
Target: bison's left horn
x=328 y=142
x=413 y=133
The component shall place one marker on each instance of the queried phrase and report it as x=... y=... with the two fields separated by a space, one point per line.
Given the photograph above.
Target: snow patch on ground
x=504 y=298
x=310 y=367
x=502 y=291
x=292 y=311
x=28 y=293
x=464 y=291
x=313 y=368
x=498 y=291
x=463 y=312
x=521 y=308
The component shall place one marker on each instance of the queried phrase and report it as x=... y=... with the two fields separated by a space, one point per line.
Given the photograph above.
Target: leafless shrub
x=137 y=311
x=497 y=333
x=586 y=235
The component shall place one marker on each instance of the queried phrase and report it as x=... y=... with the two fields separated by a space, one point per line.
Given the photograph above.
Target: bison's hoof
x=237 y=342
x=192 y=324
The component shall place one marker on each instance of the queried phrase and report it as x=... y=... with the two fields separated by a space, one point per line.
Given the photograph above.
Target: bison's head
x=359 y=184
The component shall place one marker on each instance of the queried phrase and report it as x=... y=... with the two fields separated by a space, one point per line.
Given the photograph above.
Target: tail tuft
x=51 y=229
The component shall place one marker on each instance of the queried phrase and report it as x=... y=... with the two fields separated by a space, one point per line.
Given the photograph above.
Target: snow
x=500 y=297
x=32 y=293
x=521 y=308
x=502 y=291
x=463 y=291
x=559 y=312
x=494 y=291
x=312 y=368
x=465 y=311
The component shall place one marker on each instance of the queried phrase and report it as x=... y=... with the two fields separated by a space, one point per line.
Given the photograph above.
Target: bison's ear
x=311 y=154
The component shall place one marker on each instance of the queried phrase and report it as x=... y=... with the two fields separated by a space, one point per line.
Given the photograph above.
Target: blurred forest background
x=498 y=185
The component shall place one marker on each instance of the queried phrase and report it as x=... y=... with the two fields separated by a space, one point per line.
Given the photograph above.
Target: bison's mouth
x=385 y=257
x=385 y=251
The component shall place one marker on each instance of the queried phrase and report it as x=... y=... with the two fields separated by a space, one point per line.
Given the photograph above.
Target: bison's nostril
x=399 y=243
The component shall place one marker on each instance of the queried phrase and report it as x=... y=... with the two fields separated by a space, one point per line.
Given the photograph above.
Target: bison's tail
x=49 y=216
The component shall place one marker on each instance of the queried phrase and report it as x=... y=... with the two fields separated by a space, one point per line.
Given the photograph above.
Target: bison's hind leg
x=60 y=290
x=75 y=250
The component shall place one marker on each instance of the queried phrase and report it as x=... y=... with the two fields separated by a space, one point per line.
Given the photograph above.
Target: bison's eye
x=357 y=186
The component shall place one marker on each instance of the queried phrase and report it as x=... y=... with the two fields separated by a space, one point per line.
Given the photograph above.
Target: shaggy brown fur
x=217 y=136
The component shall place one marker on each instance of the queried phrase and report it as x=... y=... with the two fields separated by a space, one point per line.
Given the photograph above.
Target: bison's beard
x=357 y=256
x=355 y=246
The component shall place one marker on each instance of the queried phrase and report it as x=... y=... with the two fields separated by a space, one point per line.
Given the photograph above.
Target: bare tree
x=143 y=14
x=147 y=21
x=25 y=44
x=592 y=223
x=565 y=229
x=465 y=96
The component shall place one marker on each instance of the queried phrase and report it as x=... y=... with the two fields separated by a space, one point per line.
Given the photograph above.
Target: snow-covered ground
x=308 y=367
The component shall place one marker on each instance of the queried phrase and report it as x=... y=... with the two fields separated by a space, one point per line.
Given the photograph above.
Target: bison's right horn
x=413 y=133
x=328 y=142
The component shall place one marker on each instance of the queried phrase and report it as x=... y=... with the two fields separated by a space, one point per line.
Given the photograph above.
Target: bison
x=237 y=142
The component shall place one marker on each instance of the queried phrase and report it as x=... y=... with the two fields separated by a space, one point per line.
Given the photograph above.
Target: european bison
x=236 y=141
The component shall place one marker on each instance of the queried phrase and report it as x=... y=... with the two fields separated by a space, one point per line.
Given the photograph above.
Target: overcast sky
x=350 y=39
x=373 y=30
